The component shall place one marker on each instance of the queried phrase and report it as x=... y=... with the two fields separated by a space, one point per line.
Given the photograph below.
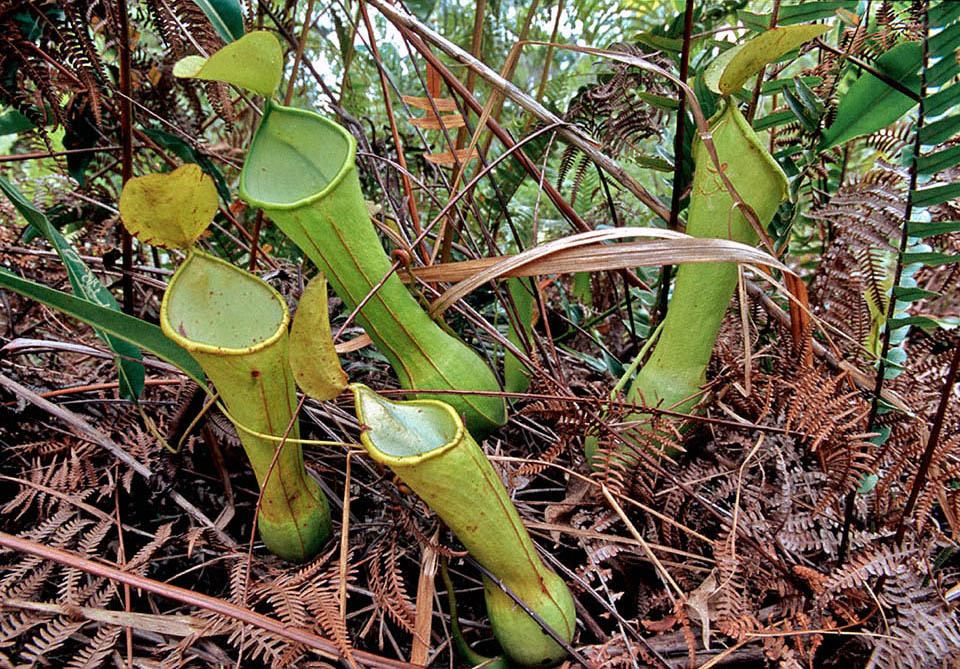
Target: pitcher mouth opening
x=200 y=313
x=296 y=157
x=405 y=433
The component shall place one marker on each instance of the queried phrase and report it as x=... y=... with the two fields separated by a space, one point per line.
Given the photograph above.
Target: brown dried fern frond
x=613 y=111
x=388 y=584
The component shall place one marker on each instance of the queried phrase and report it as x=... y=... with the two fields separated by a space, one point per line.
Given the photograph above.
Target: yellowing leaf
x=254 y=62
x=313 y=359
x=762 y=50
x=169 y=209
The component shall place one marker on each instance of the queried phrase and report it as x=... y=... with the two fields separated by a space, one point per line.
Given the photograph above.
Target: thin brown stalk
x=320 y=645
x=660 y=310
x=126 y=144
x=388 y=102
x=932 y=442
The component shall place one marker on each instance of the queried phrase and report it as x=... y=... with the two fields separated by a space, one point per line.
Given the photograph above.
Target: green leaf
x=422 y=9
x=775 y=85
x=226 y=17
x=867 y=483
x=930 y=258
x=941 y=130
x=941 y=160
x=917 y=229
x=771 y=120
x=13 y=121
x=811 y=11
x=755 y=22
x=810 y=100
x=86 y=285
x=921 y=321
x=652 y=163
x=763 y=49
x=254 y=62
x=870 y=104
x=658 y=101
x=942 y=101
x=659 y=42
x=516 y=377
x=941 y=72
x=131 y=330
x=810 y=124
x=910 y=294
x=944 y=12
x=945 y=42
x=171 y=209
x=928 y=196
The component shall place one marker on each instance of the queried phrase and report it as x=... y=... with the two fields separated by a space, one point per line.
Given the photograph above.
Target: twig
x=530 y=612
x=101 y=439
x=572 y=135
x=898 y=273
x=319 y=644
x=931 y=448
x=77 y=423
x=126 y=144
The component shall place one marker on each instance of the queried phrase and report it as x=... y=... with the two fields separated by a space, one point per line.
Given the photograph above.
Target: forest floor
x=737 y=552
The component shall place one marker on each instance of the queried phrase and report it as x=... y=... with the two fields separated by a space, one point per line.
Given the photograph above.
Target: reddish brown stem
x=931 y=448
x=126 y=146
x=398 y=146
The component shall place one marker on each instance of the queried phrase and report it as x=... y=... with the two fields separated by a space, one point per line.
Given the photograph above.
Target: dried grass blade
x=584 y=253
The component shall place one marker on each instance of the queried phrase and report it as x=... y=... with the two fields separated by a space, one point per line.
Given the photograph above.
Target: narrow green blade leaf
x=422 y=9
x=226 y=17
x=942 y=71
x=774 y=86
x=13 y=121
x=915 y=229
x=755 y=22
x=908 y=294
x=86 y=285
x=131 y=330
x=942 y=101
x=516 y=375
x=771 y=120
x=800 y=111
x=870 y=104
x=928 y=196
x=941 y=160
x=945 y=42
x=941 y=130
x=930 y=258
x=944 y=12
x=921 y=321
x=811 y=11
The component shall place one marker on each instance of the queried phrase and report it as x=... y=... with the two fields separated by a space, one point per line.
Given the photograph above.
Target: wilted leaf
x=169 y=209
x=313 y=359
